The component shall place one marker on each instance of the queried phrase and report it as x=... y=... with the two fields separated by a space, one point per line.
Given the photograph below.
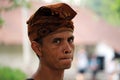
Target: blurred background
x=97 y=39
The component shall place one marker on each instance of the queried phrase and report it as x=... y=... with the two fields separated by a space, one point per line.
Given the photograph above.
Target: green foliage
x=13 y=4
x=108 y=9
x=111 y=11
x=1 y=21
x=16 y=4
x=7 y=73
x=21 y=3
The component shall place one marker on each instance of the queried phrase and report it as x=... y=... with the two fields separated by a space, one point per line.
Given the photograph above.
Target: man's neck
x=45 y=73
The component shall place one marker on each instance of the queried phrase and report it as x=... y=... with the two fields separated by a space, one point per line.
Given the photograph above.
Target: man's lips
x=66 y=58
x=66 y=61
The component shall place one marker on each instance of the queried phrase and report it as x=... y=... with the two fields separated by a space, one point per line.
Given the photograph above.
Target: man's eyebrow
x=57 y=38
x=61 y=38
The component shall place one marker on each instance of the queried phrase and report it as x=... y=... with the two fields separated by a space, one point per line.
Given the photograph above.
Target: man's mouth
x=66 y=59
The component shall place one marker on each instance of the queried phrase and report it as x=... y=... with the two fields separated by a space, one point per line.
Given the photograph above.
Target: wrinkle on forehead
x=62 y=30
x=61 y=34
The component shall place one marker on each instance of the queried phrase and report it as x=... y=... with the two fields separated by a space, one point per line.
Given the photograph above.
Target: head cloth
x=48 y=19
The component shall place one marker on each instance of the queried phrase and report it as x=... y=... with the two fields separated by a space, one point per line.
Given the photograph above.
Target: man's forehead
x=61 y=30
x=62 y=34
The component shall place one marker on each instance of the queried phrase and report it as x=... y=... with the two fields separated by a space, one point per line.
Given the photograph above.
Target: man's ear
x=36 y=47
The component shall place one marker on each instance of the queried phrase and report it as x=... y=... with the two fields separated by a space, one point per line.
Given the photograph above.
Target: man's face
x=57 y=50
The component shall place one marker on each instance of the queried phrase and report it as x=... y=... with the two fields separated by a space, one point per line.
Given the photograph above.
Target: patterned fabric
x=48 y=19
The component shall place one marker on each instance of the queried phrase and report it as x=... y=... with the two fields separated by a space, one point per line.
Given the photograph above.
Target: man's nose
x=67 y=49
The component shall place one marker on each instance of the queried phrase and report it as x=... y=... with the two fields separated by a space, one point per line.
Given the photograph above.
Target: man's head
x=50 y=30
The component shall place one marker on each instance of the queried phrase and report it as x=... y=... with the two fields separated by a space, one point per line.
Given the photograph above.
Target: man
x=50 y=31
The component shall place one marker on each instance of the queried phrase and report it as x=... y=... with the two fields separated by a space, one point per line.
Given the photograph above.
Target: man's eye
x=56 y=41
x=70 y=40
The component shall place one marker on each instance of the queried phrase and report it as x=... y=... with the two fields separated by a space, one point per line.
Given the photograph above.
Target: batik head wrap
x=48 y=19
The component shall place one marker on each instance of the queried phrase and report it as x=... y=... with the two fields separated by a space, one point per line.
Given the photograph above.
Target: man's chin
x=67 y=66
x=64 y=67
